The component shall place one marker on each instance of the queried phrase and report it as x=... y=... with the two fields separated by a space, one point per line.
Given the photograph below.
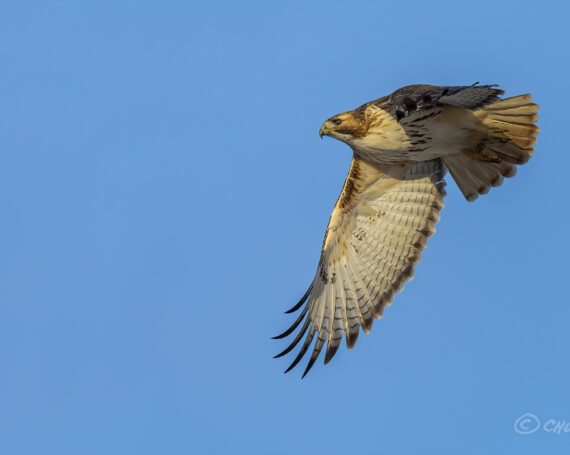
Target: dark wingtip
x=287 y=350
x=305 y=297
x=293 y=326
x=367 y=324
x=290 y=368
x=296 y=340
x=302 y=352
x=310 y=364
x=296 y=361
x=331 y=351
x=315 y=355
x=284 y=334
x=351 y=340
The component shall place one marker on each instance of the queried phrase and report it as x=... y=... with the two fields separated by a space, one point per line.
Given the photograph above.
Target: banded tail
x=509 y=126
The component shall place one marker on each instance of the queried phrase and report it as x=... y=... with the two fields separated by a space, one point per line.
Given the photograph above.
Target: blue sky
x=164 y=195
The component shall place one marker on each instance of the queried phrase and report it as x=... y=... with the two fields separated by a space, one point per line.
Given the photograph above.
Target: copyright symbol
x=527 y=423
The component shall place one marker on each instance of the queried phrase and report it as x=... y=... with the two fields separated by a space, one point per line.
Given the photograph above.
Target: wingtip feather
x=331 y=351
x=303 y=299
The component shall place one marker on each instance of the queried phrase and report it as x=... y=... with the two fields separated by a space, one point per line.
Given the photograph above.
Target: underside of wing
x=378 y=228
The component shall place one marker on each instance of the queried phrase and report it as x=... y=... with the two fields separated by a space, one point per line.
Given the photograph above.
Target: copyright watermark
x=529 y=423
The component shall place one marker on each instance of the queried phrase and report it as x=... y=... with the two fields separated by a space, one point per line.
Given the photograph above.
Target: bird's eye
x=337 y=121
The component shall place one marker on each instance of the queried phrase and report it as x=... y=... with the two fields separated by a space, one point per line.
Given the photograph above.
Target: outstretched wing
x=377 y=230
x=413 y=98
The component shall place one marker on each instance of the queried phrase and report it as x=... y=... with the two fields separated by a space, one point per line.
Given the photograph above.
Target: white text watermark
x=529 y=423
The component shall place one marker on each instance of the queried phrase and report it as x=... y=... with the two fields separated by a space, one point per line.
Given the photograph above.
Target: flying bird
x=403 y=144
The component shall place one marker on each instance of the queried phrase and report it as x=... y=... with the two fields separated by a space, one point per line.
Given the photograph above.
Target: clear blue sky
x=164 y=194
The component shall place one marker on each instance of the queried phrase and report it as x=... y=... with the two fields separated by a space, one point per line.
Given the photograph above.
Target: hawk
x=403 y=144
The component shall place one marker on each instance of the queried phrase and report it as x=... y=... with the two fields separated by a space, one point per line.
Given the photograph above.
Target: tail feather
x=525 y=109
x=525 y=143
x=507 y=103
x=509 y=152
x=476 y=177
x=511 y=119
x=513 y=130
x=510 y=138
x=515 y=119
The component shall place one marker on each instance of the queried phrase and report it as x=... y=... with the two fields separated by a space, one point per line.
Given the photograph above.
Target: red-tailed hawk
x=402 y=145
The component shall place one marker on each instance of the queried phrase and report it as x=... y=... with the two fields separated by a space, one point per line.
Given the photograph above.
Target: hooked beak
x=324 y=131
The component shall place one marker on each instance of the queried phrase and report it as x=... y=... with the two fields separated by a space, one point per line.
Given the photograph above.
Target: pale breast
x=424 y=135
x=385 y=135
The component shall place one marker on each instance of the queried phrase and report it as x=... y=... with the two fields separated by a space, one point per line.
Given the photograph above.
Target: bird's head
x=345 y=127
